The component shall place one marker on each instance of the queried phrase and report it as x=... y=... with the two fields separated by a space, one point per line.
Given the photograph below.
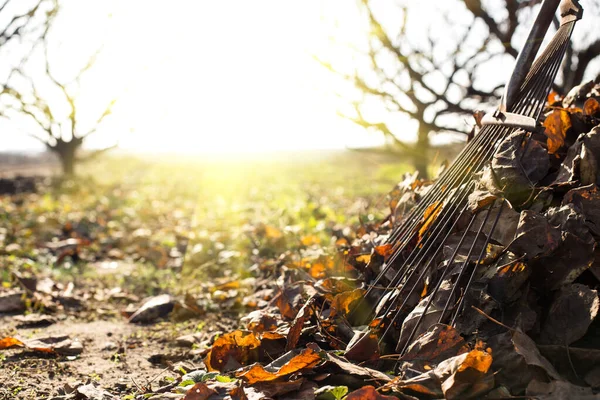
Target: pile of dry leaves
x=529 y=326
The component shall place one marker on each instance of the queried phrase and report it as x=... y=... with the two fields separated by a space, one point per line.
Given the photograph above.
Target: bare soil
x=120 y=357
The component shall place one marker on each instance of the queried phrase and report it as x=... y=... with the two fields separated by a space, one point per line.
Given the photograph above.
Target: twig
x=494 y=320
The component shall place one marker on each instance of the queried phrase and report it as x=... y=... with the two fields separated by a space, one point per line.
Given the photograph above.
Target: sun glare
x=221 y=77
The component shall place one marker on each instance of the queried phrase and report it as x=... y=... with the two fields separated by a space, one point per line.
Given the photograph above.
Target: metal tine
x=411 y=229
x=529 y=101
x=463 y=159
x=436 y=231
x=464 y=265
x=533 y=105
x=479 y=259
x=415 y=215
x=528 y=53
x=545 y=82
x=555 y=53
x=439 y=284
x=555 y=50
x=441 y=221
x=425 y=247
x=424 y=270
x=542 y=84
x=531 y=96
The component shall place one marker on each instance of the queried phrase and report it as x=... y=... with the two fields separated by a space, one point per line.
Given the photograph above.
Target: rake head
x=445 y=243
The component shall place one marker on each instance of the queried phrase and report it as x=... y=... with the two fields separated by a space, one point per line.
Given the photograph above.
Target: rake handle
x=528 y=53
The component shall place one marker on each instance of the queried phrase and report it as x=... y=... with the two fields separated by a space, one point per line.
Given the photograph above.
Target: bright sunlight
x=213 y=77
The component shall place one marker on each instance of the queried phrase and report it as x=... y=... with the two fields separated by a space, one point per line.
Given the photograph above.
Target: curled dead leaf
x=284 y=366
x=233 y=350
x=557 y=124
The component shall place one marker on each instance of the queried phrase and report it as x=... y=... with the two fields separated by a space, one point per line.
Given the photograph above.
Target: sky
x=209 y=76
x=227 y=76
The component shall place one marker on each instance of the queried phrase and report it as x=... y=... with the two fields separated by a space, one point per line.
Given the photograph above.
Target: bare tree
x=27 y=21
x=437 y=78
x=33 y=96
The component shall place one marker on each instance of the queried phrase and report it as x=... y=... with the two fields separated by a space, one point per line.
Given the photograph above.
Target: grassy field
x=200 y=229
x=149 y=211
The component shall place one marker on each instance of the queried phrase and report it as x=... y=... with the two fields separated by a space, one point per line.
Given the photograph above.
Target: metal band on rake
x=418 y=240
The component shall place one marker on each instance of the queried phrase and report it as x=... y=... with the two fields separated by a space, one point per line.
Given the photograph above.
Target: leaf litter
x=528 y=329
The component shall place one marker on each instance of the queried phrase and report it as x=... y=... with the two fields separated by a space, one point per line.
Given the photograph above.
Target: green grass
x=235 y=213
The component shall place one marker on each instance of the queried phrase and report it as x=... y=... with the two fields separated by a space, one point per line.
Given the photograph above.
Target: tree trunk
x=67 y=162
x=421 y=153
x=67 y=155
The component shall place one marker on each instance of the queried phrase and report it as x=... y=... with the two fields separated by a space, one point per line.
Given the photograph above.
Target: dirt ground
x=120 y=357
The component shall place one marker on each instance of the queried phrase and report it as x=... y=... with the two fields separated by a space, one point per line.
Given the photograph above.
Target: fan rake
x=414 y=276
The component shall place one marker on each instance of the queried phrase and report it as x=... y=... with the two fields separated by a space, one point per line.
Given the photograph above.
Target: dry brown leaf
x=296 y=329
x=261 y=321
x=232 y=350
x=341 y=303
x=288 y=301
x=308 y=358
x=385 y=250
x=591 y=107
x=199 y=392
x=320 y=268
x=478 y=115
x=238 y=393
x=557 y=124
x=436 y=344
x=336 y=285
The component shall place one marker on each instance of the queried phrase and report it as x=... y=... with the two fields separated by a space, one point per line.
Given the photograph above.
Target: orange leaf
x=238 y=348
x=341 y=302
x=385 y=250
x=321 y=267
x=553 y=97
x=9 y=342
x=199 y=392
x=261 y=321
x=296 y=328
x=342 y=242
x=429 y=217
x=591 y=107
x=309 y=240
x=308 y=358
x=557 y=124
x=478 y=360
x=368 y=393
x=336 y=285
x=365 y=258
